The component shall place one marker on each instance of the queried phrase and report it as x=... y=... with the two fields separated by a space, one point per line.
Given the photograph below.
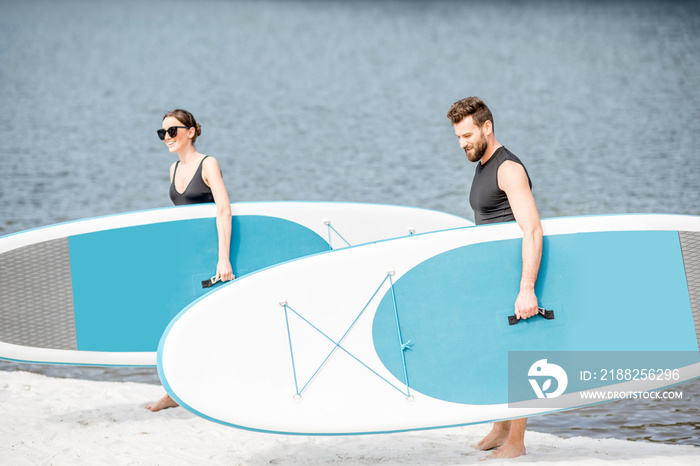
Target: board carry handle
x=210 y=282
x=547 y=314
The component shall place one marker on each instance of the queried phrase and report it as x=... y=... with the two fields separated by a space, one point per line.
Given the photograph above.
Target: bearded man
x=501 y=192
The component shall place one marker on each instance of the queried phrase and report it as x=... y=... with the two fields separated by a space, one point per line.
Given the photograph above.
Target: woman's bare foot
x=163 y=403
x=507 y=451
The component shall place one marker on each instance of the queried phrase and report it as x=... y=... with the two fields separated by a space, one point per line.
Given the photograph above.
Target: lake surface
x=346 y=101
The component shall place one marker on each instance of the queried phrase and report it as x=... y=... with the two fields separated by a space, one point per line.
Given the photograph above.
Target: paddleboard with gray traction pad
x=416 y=333
x=101 y=291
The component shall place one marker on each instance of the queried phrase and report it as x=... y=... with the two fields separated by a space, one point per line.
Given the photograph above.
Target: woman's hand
x=224 y=270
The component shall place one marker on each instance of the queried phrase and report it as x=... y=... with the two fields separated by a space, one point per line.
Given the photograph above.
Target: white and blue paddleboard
x=101 y=291
x=418 y=332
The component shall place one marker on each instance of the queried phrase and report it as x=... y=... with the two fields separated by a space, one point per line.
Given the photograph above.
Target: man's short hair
x=470 y=107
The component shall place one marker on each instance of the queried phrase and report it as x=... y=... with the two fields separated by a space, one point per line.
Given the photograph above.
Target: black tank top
x=197 y=192
x=489 y=202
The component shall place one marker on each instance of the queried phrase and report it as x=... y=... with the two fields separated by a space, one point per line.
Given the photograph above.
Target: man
x=501 y=192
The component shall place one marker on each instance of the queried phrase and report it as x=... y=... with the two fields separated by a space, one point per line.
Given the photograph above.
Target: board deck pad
x=413 y=333
x=690 y=245
x=47 y=320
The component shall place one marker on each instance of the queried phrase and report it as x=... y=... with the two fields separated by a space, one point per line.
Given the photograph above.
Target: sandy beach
x=60 y=421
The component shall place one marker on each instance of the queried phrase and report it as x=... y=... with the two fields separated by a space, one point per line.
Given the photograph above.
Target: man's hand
x=526 y=304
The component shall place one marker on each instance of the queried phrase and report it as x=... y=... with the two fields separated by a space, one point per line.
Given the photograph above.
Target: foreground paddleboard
x=101 y=291
x=414 y=333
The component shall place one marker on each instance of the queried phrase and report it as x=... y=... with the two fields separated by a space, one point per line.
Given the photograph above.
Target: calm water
x=346 y=101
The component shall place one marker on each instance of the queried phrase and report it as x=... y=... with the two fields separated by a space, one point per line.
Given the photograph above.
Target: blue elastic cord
x=291 y=351
x=402 y=345
x=337 y=345
x=330 y=227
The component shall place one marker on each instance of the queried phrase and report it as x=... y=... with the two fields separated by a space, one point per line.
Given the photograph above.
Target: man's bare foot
x=507 y=451
x=494 y=439
x=163 y=403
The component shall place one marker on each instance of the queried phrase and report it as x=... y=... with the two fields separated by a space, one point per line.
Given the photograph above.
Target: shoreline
x=70 y=421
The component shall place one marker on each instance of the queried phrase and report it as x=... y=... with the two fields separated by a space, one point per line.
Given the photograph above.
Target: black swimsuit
x=197 y=192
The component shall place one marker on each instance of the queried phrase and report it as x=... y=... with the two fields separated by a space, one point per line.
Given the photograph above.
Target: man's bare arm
x=513 y=180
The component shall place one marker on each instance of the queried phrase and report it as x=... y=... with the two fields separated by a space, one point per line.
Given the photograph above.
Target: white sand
x=46 y=420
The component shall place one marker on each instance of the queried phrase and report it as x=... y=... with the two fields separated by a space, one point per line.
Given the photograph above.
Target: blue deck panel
x=156 y=270
x=611 y=291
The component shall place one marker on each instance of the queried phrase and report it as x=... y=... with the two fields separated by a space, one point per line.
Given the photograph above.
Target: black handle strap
x=210 y=282
x=213 y=280
x=549 y=315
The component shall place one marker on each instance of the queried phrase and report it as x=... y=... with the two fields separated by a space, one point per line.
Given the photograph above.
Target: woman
x=195 y=179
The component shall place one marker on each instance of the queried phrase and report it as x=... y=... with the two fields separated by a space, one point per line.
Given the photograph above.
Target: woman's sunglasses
x=172 y=131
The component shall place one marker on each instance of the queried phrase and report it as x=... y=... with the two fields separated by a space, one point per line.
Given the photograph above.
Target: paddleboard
x=101 y=291
x=419 y=333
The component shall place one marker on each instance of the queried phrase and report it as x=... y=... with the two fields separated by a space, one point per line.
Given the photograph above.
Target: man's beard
x=478 y=150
